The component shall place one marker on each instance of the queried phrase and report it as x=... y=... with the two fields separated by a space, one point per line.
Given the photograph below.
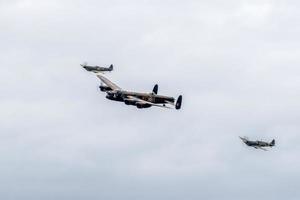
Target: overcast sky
x=235 y=62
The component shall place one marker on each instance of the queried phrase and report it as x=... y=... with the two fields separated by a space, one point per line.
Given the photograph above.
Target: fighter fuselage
x=257 y=143
x=97 y=69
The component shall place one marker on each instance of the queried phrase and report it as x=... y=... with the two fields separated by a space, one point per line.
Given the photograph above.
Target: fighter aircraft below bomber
x=140 y=100
x=258 y=144
x=96 y=68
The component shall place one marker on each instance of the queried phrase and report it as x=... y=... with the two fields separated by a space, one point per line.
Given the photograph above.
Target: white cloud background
x=235 y=62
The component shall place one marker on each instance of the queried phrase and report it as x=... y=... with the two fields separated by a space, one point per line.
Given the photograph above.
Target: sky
x=236 y=63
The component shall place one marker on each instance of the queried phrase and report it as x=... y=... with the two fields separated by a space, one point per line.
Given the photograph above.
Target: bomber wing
x=107 y=82
x=145 y=102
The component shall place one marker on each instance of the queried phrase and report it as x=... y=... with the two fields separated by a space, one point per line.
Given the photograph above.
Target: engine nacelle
x=114 y=97
x=142 y=105
x=104 y=88
x=130 y=102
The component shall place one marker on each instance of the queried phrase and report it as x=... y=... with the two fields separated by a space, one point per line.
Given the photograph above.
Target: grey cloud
x=235 y=62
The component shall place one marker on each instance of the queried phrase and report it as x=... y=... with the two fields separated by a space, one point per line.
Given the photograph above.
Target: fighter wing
x=145 y=102
x=244 y=139
x=260 y=148
x=107 y=82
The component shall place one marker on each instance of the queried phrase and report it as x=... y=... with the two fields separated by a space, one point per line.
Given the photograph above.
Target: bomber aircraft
x=140 y=100
x=96 y=68
x=258 y=144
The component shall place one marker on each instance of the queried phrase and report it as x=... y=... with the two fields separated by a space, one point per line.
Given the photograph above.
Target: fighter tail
x=272 y=143
x=111 y=67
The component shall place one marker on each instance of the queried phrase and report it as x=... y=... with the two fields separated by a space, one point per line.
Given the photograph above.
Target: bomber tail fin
x=178 y=102
x=155 y=89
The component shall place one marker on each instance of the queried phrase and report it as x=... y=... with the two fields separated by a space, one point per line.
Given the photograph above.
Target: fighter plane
x=140 y=100
x=258 y=144
x=97 y=69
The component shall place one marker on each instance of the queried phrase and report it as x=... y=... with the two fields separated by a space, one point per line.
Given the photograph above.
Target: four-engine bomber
x=138 y=99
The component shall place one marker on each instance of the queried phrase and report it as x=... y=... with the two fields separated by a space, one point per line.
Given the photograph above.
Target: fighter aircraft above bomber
x=140 y=100
x=96 y=68
x=258 y=144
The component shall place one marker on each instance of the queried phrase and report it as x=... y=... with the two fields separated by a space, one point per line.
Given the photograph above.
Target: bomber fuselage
x=150 y=97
